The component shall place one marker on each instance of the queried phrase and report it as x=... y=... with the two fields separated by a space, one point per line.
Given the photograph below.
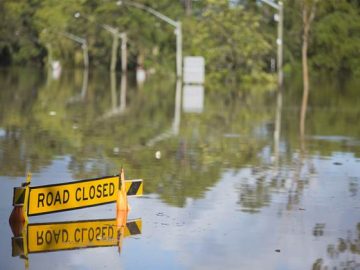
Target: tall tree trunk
x=188 y=7
x=305 y=72
x=308 y=14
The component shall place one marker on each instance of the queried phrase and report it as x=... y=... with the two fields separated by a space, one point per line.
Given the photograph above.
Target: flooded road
x=228 y=181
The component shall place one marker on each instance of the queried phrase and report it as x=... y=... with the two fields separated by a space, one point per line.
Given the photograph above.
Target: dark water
x=229 y=183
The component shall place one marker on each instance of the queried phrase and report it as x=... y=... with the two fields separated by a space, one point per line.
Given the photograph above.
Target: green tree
x=231 y=40
x=336 y=40
x=52 y=19
x=333 y=45
x=18 y=36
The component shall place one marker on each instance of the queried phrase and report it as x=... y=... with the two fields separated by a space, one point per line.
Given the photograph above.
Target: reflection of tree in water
x=293 y=170
x=353 y=186
x=345 y=254
x=333 y=112
x=36 y=124
x=256 y=196
x=319 y=229
x=17 y=96
x=264 y=183
x=191 y=162
x=282 y=173
x=229 y=134
x=303 y=173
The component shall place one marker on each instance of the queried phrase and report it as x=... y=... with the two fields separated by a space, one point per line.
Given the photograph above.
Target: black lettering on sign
x=103 y=232
x=111 y=232
x=92 y=192
x=91 y=234
x=41 y=197
x=65 y=236
x=39 y=238
x=49 y=198
x=77 y=196
x=83 y=231
x=76 y=236
x=56 y=236
x=48 y=237
x=66 y=196
x=97 y=234
x=111 y=189
x=83 y=194
x=57 y=198
x=98 y=191
x=105 y=190
x=52 y=237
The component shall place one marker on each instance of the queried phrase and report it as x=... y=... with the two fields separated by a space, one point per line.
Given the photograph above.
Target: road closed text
x=46 y=199
x=61 y=236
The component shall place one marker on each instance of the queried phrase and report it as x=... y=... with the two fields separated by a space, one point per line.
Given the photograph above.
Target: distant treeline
x=237 y=38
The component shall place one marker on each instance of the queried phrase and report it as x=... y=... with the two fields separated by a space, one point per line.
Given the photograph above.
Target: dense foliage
x=334 y=36
x=237 y=38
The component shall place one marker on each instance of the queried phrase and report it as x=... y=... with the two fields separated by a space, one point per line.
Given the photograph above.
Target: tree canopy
x=237 y=38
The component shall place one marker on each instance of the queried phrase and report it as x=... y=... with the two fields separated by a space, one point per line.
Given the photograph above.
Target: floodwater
x=228 y=181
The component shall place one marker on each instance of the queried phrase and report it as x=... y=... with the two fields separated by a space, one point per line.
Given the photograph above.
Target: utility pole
x=280 y=44
x=115 y=46
x=84 y=46
x=123 y=52
x=178 y=33
x=175 y=24
x=279 y=41
x=116 y=35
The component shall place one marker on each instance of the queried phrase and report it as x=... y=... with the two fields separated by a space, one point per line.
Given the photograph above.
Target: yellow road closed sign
x=73 y=195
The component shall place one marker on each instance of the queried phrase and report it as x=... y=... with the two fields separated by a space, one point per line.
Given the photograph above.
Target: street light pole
x=116 y=35
x=115 y=45
x=279 y=41
x=178 y=34
x=84 y=46
x=123 y=37
x=175 y=24
x=280 y=44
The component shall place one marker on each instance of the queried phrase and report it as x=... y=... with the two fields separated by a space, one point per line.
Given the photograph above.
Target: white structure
x=55 y=69
x=193 y=98
x=194 y=69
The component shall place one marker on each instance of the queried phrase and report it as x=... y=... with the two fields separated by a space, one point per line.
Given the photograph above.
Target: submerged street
x=229 y=182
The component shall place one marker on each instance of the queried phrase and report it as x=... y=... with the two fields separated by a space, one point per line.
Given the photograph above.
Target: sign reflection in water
x=193 y=98
x=46 y=237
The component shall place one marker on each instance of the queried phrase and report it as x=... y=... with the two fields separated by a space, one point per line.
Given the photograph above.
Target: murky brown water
x=221 y=191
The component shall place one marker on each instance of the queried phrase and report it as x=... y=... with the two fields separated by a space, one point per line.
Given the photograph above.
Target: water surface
x=229 y=182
